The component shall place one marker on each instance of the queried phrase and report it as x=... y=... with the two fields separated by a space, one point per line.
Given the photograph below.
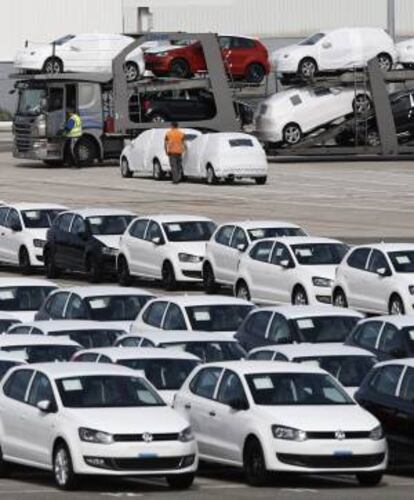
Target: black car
x=289 y=324
x=388 y=393
x=86 y=241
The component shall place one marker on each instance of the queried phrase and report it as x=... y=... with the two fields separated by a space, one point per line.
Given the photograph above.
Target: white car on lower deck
x=92 y=418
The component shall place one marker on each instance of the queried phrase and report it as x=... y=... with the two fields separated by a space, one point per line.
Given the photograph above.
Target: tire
x=52 y=271
x=158 y=118
x=242 y=291
x=168 y=277
x=260 y=181
x=307 y=68
x=361 y=104
x=94 y=270
x=209 y=280
x=85 y=152
x=396 y=306
x=158 y=172
x=125 y=170
x=210 y=175
x=124 y=276
x=24 y=262
x=53 y=163
x=131 y=71
x=65 y=478
x=384 y=61
x=299 y=296
x=5 y=467
x=292 y=134
x=180 y=68
x=255 y=73
x=52 y=66
x=369 y=478
x=254 y=464
x=181 y=482
x=339 y=298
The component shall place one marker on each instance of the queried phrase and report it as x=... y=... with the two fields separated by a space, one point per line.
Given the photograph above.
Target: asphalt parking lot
x=353 y=201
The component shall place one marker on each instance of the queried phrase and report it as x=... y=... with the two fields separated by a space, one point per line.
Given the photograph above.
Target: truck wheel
x=131 y=71
x=52 y=66
x=125 y=171
x=255 y=73
x=85 y=152
x=180 y=68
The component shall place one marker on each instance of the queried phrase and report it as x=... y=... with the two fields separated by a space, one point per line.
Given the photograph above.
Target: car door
x=353 y=274
x=254 y=330
x=135 y=244
x=221 y=254
x=377 y=283
x=11 y=236
x=238 y=245
x=60 y=240
x=259 y=271
x=337 y=49
x=3 y=247
x=281 y=280
x=76 y=244
x=404 y=429
x=56 y=116
x=152 y=251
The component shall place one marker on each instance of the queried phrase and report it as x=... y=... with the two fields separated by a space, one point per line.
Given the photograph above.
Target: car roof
x=35 y=206
x=229 y=135
x=399 y=320
x=20 y=281
x=201 y=300
x=294 y=312
x=70 y=325
x=13 y=356
x=163 y=218
x=6 y=315
x=322 y=349
x=238 y=36
x=100 y=212
x=24 y=339
x=388 y=247
x=298 y=240
x=400 y=362
x=259 y=224
x=179 y=336
x=251 y=367
x=102 y=290
x=118 y=353
x=76 y=369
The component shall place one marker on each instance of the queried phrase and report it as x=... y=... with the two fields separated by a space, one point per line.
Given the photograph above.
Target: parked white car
x=23 y=228
x=377 y=279
x=166 y=369
x=22 y=297
x=90 y=52
x=169 y=248
x=88 y=334
x=280 y=417
x=348 y=364
x=228 y=243
x=92 y=418
x=285 y=117
x=39 y=348
x=146 y=154
x=293 y=270
x=337 y=49
x=226 y=155
x=405 y=51
x=203 y=313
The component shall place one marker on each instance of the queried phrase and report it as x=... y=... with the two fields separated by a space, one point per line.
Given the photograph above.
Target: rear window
x=237 y=143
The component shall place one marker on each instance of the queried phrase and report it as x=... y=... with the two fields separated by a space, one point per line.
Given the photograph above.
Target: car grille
x=141 y=464
x=332 y=461
x=331 y=435
x=123 y=438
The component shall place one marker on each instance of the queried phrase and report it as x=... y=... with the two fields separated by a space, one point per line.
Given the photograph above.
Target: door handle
x=212 y=413
x=187 y=406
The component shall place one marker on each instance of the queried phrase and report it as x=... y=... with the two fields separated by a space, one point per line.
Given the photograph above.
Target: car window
x=137 y=230
x=280 y=253
x=223 y=235
x=104 y=359
x=131 y=342
x=146 y=343
x=20 y=330
x=16 y=385
x=76 y=308
x=40 y=390
x=261 y=251
x=239 y=238
x=257 y=324
x=242 y=43
x=385 y=380
x=174 y=318
x=13 y=219
x=154 y=313
x=279 y=331
x=407 y=386
x=153 y=231
x=231 y=389
x=56 y=305
x=377 y=261
x=261 y=356
x=204 y=383
x=391 y=340
x=78 y=225
x=63 y=222
x=225 y=42
x=358 y=258
x=90 y=357
x=3 y=215
x=367 y=334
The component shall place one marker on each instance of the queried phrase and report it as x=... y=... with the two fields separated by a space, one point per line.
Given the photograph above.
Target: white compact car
x=405 y=51
x=22 y=297
x=166 y=369
x=377 y=279
x=281 y=417
x=226 y=155
x=285 y=117
x=193 y=312
x=23 y=228
x=337 y=49
x=39 y=348
x=92 y=419
x=348 y=364
x=228 y=243
x=169 y=248
x=146 y=154
x=79 y=53
x=293 y=270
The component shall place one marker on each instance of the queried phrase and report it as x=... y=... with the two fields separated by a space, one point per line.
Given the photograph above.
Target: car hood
x=160 y=419
x=110 y=240
x=34 y=49
x=406 y=278
x=191 y=247
x=321 y=418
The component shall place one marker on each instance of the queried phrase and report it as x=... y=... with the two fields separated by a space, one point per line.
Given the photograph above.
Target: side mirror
x=239 y=404
x=286 y=264
x=241 y=247
x=46 y=406
x=383 y=272
x=327 y=45
x=16 y=227
x=157 y=240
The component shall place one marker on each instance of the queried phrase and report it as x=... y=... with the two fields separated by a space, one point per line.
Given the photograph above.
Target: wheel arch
x=96 y=141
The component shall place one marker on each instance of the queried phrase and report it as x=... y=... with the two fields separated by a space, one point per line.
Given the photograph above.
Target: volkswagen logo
x=147 y=437
x=340 y=435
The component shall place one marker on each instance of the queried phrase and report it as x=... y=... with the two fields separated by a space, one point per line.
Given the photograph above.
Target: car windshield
x=313 y=39
x=274 y=232
x=350 y=371
x=189 y=231
x=403 y=262
x=91 y=338
x=164 y=374
x=31 y=101
x=109 y=224
x=210 y=352
x=44 y=353
x=272 y=389
x=64 y=39
x=116 y=307
x=39 y=219
x=325 y=328
x=23 y=298
x=313 y=254
x=5 y=324
x=216 y=318
x=107 y=391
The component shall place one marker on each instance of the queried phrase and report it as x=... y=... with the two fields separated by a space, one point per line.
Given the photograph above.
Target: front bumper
x=241 y=171
x=189 y=272
x=28 y=148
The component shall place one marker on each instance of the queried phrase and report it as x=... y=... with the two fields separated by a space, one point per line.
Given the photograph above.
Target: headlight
x=113 y=252
x=282 y=432
x=39 y=243
x=92 y=436
x=186 y=435
x=411 y=289
x=186 y=257
x=323 y=282
x=377 y=433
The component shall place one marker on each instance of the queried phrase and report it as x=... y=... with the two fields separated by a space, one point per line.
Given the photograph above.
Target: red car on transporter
x=245 y=58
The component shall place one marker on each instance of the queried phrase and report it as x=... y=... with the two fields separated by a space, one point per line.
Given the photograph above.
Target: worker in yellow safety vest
x=73 y=131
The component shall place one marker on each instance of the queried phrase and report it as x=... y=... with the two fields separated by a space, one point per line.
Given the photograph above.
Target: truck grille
x=22 y=135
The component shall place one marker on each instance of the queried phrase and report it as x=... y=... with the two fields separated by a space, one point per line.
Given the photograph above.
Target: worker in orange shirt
x=175 y=148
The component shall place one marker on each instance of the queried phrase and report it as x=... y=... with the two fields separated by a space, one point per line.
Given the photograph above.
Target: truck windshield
x=31 y=101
